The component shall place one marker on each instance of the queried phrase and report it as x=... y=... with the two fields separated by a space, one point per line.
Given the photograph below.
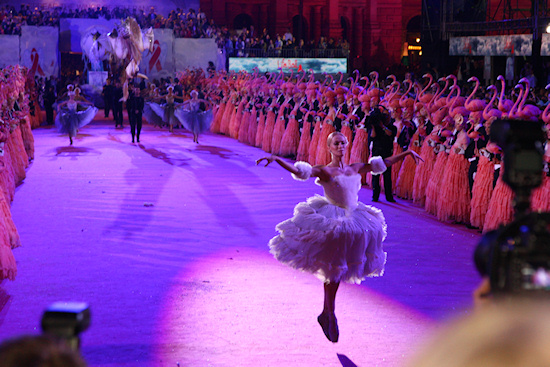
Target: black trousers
x=108 y=108
x=471 y=171
x=135 y=125
x=49 y=114
x=117 y=113
x=387 y=185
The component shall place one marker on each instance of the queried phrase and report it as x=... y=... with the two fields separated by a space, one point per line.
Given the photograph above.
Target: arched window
x=242 y=21
x=300 y=28
x=344 y=22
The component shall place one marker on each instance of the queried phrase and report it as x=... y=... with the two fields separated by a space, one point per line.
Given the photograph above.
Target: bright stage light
x=548 y=28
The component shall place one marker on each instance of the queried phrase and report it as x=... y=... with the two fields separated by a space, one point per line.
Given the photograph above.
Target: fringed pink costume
x=323 y=154
x=260 y=130
x=291 y=136
x=405 y=180
x=228 y=113
x=278 y=131
x=501 y=211
x=268 y=131
x=314 y=141
x=243 y=127
x=482 y=189
x=252 y=126
x=305 y=141
x=216 y=124
x=346 y=130
x=433 y=187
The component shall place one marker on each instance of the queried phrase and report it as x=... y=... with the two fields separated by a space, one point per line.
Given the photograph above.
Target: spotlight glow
x=278 y=325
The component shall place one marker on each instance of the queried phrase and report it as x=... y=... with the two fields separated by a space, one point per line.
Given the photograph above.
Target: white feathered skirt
x=333 y=243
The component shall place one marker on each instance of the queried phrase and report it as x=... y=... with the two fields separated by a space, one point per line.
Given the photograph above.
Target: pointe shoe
x=333 y=328
x=322 y=319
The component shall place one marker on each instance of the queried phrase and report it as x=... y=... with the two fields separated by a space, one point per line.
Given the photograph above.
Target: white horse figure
x=123 y=47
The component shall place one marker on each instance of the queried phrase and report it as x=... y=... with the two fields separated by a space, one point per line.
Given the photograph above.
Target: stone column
x=335 y=28
x=280 y=16
x=315 y=22
x=357 y=32
x=218 y=12
x=263 y=18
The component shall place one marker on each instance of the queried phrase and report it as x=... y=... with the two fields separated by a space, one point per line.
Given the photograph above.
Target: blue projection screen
x=275 y=64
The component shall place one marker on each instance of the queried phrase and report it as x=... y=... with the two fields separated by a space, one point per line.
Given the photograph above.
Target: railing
x=291 y=53
x=501 y=26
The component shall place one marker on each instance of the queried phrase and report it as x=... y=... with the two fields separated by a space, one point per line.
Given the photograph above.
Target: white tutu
x=165 y=112
x=151 y=116
x=71 y=118
x=193 y=118
x=334 y=237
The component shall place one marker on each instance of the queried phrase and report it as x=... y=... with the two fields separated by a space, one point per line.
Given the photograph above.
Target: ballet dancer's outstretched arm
x=396 y=158
x=389 y=161
x=316 y=171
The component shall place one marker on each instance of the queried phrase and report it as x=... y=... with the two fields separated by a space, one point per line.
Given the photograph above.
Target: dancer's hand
x=267 y=159
x=416 y=157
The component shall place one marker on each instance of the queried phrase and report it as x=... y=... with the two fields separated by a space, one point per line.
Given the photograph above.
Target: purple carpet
x=167 y=242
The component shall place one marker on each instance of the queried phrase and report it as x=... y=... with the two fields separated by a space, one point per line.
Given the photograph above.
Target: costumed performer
x=335 y=237
x=72 y=115
x=193 y=117
x=166 y=111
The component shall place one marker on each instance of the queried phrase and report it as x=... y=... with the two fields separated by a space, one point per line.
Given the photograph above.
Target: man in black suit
x=129 y=107
x=117 y=104
x=135 y=110
x=49 y=100
x=382 y=134
x=107 y=94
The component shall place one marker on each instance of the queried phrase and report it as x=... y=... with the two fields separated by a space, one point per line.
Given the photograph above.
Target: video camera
x=516 y=257
x=66 y=320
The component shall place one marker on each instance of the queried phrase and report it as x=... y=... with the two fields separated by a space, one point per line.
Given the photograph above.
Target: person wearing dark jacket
x=382 y=134
x=135 y=110
x=117 y=104
x=49 y=100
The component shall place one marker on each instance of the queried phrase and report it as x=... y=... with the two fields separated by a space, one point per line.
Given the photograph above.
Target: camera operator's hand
x=482 y=294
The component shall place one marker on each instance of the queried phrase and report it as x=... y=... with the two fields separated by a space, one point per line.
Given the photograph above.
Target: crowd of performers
x=460 y=178
x=182 y=104
x=16 y=151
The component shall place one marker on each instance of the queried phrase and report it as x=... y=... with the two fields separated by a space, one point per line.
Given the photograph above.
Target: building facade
x=377 y=31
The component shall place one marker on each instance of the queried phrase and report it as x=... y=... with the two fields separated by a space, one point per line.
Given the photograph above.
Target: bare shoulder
x=321 y=171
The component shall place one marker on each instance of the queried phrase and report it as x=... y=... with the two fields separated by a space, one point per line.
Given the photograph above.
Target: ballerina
x=166 y=110
x=72 y=115
x=334 y=237
x=192 y=117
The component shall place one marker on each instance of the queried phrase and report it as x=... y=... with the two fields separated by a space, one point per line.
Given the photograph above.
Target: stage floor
x=167 y=242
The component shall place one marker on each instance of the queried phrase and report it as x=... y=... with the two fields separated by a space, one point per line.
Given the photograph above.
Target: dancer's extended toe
x=333 y=332
x=323 y=321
